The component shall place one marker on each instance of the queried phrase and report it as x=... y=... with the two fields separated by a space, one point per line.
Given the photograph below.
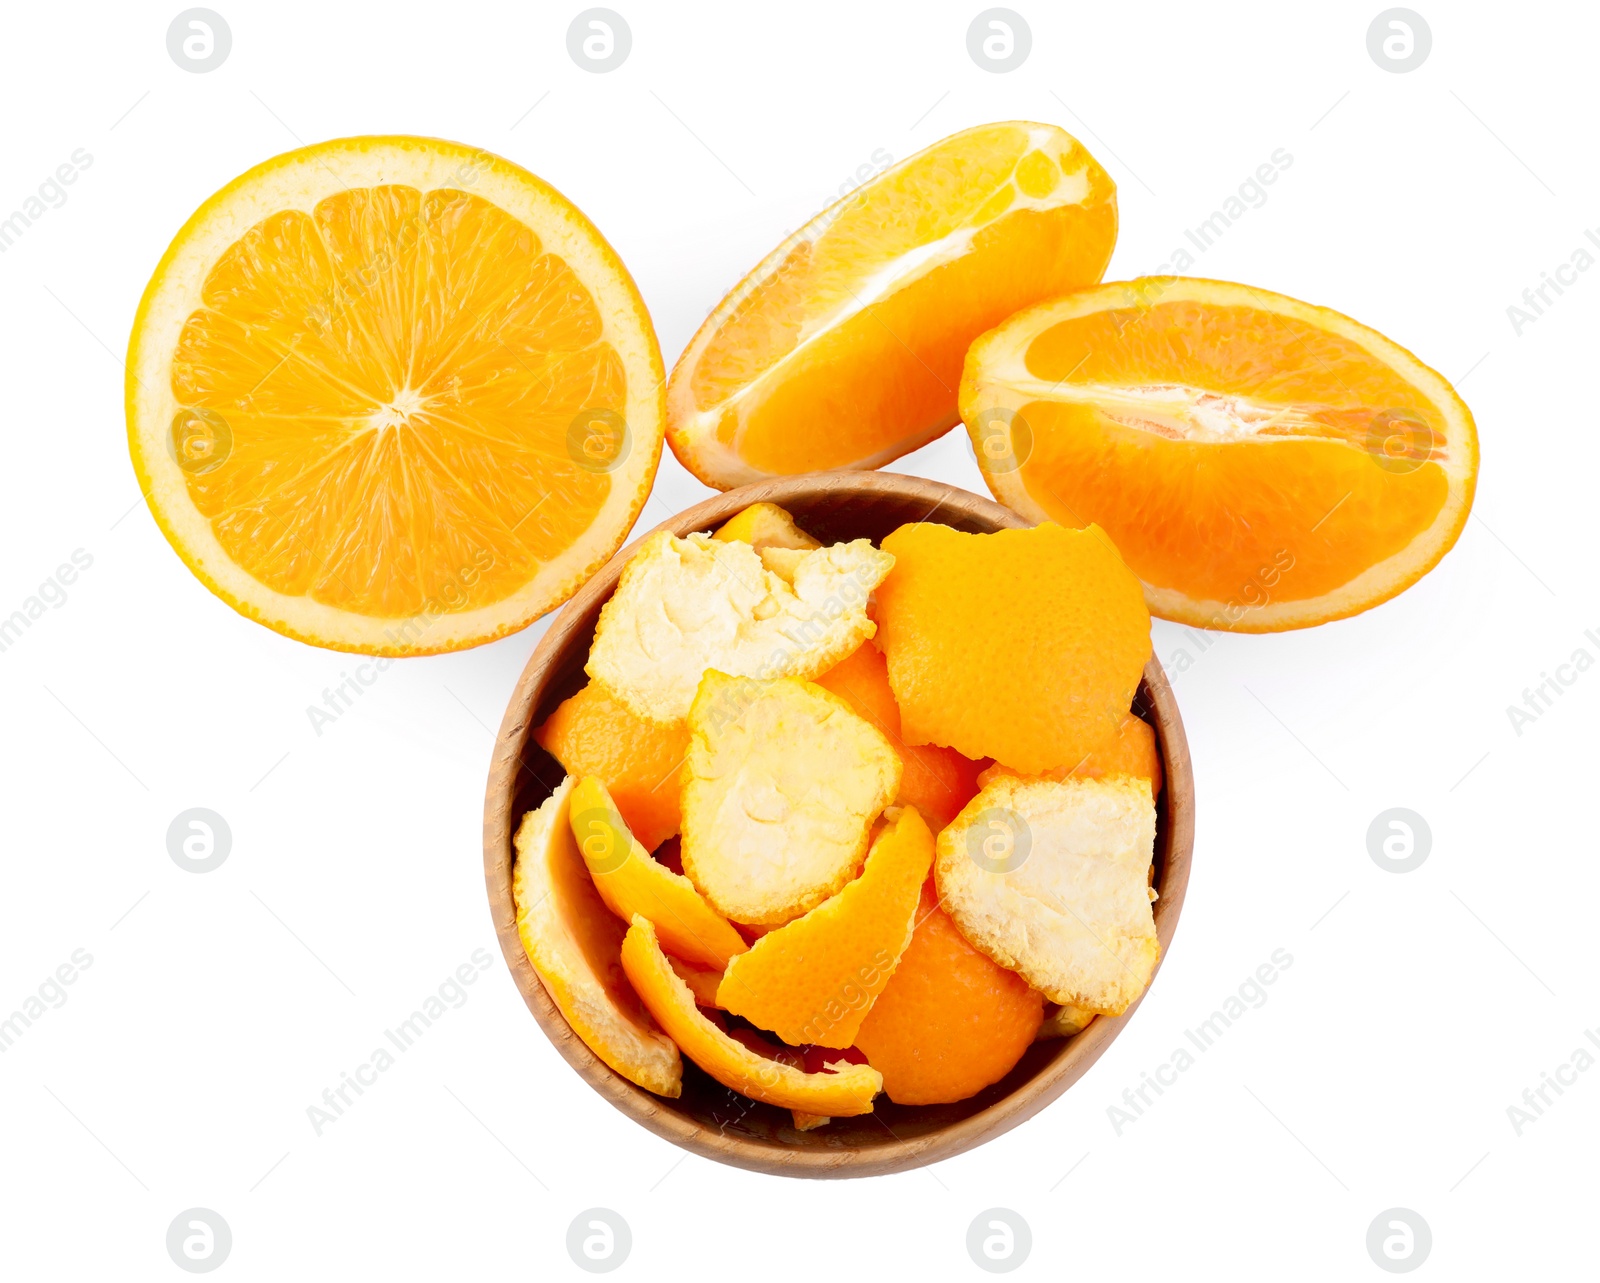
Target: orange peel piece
x=814 y=980
x=781 y=787
x=937 y=781
x=595 y=733
x=702 y=981
x=1024 y=645
x=842 y=1094
x=632 y=881
x=765 y=525
x=575 y=946
x=1132 y=750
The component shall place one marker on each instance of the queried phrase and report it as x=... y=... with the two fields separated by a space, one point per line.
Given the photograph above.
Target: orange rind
x=782 y=783
x=575 y=946
x=841 y=1094
x=815 y=979
x=1025 y=645
x=631 y=882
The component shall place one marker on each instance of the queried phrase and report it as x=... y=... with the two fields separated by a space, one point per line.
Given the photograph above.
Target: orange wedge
x=937 y=781
x=843 y=348
x=631 y=882
x=1260 y=463
x=1023 y=645
x=815 y=979
x=575 y=945
x=638 y=760
x=841 y=1094
x=393 y=395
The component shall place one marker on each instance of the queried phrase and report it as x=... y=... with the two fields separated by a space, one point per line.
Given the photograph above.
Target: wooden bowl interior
x=708 y=1117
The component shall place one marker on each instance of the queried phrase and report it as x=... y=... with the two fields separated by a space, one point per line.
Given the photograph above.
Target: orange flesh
x=400 y=375
x=890 y=372
x=1281 y=512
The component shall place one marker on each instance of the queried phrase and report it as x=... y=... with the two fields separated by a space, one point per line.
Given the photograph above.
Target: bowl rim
x=898 y=1154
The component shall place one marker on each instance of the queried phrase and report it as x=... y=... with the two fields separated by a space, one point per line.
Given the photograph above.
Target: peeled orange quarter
x=843 y=348
x=1260 y=463
x=393 y=395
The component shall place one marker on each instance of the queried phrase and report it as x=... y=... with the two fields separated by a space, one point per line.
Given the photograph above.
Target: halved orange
x=393 y=395
x=843 y=348
x=1260 y=463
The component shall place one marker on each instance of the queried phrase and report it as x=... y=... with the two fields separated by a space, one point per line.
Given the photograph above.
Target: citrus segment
x=631 y=882
x=844 y=1093
x=1131 y=750
x=937 y=781
x=813 y=980
x=781 y=784
x=595 y=733
x=950 y=1021
x=843 y=348
x=1260 y=463
x=575 y=946
x=393 y=395
x=765 y=525
x=683 y=606
x=1024 y=645
x=1050 y=879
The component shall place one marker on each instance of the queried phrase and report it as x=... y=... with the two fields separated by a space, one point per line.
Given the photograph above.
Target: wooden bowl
x=708 y=1119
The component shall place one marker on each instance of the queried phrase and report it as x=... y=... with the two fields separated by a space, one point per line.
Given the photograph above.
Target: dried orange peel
x=575 y=946
x=631 y=882
x=815 y=979
x=1025 y=645
x=845 y=1093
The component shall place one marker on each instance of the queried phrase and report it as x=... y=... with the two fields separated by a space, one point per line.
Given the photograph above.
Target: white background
x=218 y=1007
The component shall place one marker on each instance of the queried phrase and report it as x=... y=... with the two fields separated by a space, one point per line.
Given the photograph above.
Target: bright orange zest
x=1025 y=645
x=1131 y=750
x=843 y=348
x=814 y=979
x=631 y=882
x=1260 y=463
x=595 y=733
x=937 y=781
x=841 y=1094
x=950 y=1022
